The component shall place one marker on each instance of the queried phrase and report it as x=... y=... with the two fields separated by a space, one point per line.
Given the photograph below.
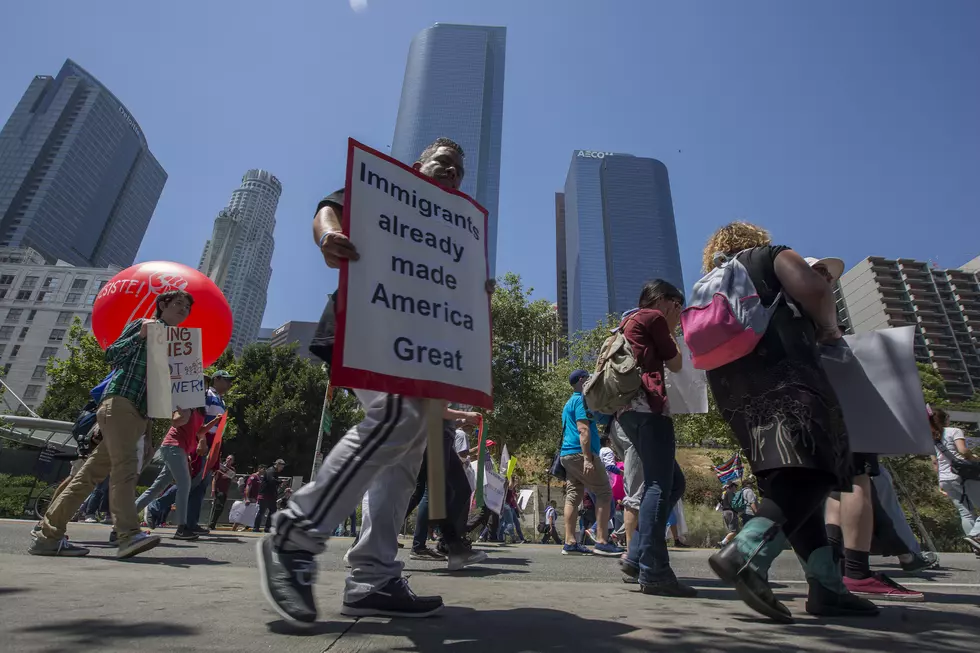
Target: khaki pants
x=122 y=426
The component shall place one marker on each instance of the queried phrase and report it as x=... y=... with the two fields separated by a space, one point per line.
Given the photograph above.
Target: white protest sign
x=174 y=370
x=413 y=315
x=687 y=390
x=493 y=490
x=524 y=498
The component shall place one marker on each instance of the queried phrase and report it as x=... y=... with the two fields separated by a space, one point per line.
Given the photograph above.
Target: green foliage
x=705 y=526
x=525 y=412
x=71 y=378
x=933 y=386
x=705 y=430
x=276 y=403
x=701 y=488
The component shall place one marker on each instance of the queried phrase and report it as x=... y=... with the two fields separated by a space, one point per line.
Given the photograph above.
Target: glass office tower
x=454 y=87
x=77 y=179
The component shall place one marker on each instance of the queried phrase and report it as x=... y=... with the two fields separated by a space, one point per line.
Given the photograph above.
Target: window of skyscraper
x=40 y=372
x=79 y=284
x=29 y=282
x=13 y=315
x=56 y=335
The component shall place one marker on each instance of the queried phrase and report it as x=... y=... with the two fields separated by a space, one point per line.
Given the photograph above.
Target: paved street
x=204 y=596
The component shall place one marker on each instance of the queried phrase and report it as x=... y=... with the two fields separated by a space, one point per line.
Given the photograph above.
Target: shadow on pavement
x=182 y=562
x=5 y=591
x=470 y=572
x=99 y=632
x=497 y=560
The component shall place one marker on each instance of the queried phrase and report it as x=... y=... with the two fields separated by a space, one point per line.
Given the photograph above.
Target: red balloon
x=132 y=294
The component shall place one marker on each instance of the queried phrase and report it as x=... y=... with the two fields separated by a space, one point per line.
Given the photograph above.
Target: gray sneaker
x=43 y=546
x=136 y=544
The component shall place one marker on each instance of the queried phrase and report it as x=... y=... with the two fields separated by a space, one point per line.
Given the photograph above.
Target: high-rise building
x=561 y=262
x=942 y=305
x=617 y=223
x=238 y=258
x=38 y=304
x=454 y=87
x=77 y=180
x=298 y=333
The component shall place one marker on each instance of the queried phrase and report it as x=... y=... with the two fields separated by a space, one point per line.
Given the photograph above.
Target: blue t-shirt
x=575 y=411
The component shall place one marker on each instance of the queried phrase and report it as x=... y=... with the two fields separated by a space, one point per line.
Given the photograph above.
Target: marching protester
x=380 y=456
x=632 y=479
x=219 y=489
x=738 y=505
x=551 y=524
x=218 y=385
x=647 y=423
x=849 y=516
x=268 y=495
x=186 y=437
x=780 y=406
x=580 y=458
x=122 y=419
x=959 y=474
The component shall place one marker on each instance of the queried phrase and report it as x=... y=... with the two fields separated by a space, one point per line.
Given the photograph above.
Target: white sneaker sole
x=151 y=542
x=264 y=583
x=350 y=611
x=973 y=543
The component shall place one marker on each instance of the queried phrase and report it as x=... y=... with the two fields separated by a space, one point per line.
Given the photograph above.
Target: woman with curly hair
x=779 y=403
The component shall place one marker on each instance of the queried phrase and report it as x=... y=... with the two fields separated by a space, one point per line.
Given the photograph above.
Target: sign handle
x=436 y=462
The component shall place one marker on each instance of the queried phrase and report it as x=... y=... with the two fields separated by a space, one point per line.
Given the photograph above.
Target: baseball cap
x=835 y=266
x=577 y=376
x=222 y=374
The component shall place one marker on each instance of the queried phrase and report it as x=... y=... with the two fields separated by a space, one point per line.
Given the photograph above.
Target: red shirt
x=648 y=334
x=185 y=436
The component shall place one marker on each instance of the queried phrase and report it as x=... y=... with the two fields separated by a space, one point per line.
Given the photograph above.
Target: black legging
x=795 y=497
x=457 y=489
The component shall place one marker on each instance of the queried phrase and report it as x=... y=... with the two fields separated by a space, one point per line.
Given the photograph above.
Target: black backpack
x=83 y=429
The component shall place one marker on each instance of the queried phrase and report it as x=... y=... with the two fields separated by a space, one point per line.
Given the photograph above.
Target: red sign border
x=350 y=377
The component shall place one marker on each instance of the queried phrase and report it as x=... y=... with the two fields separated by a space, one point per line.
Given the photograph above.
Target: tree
x=524 y=409
x=275 y=405
x=71 y=378
x=933 y=386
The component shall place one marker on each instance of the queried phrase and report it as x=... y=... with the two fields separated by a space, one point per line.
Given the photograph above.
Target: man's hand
x=202 y=447
x=336 y=248
x=587 y=466
x=470 y=418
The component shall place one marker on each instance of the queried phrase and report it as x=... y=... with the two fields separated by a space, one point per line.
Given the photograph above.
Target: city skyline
x=464 y=66
x=868 y=139
x=238 y=256
x=78 y=182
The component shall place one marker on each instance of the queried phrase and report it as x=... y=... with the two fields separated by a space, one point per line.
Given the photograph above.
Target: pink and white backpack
x=725 y=318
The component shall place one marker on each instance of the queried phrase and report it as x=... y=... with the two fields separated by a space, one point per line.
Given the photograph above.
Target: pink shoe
x=882 y=588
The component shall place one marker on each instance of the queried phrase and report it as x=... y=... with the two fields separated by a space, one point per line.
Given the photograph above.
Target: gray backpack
x=617 y=376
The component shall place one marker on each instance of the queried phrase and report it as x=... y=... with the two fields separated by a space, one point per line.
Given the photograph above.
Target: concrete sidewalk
x=204 y=597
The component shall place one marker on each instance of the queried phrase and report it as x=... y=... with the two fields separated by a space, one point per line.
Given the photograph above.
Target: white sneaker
x=974 y=543
x=136 y=544
x=91 y=519
x=463 y=559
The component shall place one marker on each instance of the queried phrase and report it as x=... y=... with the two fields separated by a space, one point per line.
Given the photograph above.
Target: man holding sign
x=408 y=297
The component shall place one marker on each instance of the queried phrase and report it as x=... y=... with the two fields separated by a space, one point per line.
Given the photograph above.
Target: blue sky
x=846 y=128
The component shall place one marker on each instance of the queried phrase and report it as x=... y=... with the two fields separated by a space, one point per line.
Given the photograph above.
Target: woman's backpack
x=617 y=378
x=968 y=470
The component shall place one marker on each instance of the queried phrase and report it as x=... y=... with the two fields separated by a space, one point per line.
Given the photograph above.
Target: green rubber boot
x=827 y=595
x=744 y=562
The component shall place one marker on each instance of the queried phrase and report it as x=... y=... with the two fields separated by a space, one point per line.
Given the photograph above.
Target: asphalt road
x=203 y=596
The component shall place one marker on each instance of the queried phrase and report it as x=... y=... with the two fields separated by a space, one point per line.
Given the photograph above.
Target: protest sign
x=877 y=383
x=174 y=369
x=493 y=490
x=413 y=314
x=687 y=390
x=524 y=497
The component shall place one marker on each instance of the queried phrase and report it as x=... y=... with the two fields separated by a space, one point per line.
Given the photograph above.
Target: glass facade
x=238 y=257
x=619 y=232
x=454 y=87
x=77 y=179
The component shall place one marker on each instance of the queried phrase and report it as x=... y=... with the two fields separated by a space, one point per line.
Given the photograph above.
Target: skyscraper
x=942 y=305
x=454 y=87
x=238 y=258
x=77 y=179
x=619 y=232
x=561 y=263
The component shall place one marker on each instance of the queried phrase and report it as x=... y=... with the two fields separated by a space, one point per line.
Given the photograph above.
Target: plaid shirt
x=127 y=355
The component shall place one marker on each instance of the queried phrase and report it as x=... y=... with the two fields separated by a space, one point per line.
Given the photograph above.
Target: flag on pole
x=481 y=461
x=504 y=458
x=215 y=452
x=731 y=470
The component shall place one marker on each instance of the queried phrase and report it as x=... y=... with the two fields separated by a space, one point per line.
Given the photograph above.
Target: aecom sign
x=593 y=155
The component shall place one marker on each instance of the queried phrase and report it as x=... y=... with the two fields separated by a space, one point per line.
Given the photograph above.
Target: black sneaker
x=185 y=533
x=287 y=581
x=426 y=554
x=395 y=599
x=669 y=587
x=199 y=530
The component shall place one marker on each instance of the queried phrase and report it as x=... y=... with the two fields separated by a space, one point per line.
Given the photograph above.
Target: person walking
x=647 y=423
x=380 y=456
x=268 y=495
x=551 y=524
x=219 y=384
x=580 y=458
x=781 y=407
x=962 y=490
x=123 y=422
x=219 y=490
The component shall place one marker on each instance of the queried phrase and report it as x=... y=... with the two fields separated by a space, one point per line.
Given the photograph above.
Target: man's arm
x=585 y=438
x=461 y=416
x=126 y=346
x=329 y=236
